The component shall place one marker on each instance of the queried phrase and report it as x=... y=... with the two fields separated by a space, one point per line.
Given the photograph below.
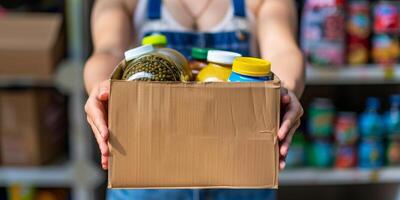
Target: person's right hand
x=96 y=111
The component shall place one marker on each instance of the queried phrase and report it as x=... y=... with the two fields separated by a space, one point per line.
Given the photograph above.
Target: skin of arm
x=276 y=23
x=111 y=32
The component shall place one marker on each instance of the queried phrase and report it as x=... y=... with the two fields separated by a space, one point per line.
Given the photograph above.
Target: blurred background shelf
x=312 y=176
x=363 y=74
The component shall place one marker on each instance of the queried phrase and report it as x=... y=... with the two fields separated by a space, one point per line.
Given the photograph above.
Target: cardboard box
x=193 y=135
x=30 y=44
x=33 y=125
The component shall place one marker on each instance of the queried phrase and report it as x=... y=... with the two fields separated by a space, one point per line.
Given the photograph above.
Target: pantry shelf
x=362 y=74
x=312 y=176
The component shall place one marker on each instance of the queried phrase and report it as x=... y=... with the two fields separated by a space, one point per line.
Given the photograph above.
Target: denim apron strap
x=154 y=9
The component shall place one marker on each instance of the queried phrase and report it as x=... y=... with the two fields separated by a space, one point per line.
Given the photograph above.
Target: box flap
x=193 y=135
x=30 y=31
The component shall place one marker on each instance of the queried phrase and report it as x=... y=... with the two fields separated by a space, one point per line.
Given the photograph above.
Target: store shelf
x=312 y=176
x=362 y=74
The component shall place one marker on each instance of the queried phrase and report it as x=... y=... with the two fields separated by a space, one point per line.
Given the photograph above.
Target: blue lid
x=373 y=102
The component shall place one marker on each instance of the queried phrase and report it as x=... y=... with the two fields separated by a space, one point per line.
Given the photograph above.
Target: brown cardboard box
x=30 y=44
x=177 y=135
x=33 y=125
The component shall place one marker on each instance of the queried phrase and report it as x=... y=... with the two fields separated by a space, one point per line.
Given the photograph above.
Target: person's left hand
x=292 y=112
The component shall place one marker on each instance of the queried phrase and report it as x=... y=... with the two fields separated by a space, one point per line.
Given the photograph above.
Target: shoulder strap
x=154 y=9
x=239 y=8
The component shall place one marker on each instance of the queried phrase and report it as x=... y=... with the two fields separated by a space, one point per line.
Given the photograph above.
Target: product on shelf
x=248 y=69
x=385 y=48
x=370 y=121
x=322 y=32
x=346 y=156
x=20 y=192
x=219 y=66
x=358 y=31
x=393 y=117
x=320 y=117
x=386 y=17
x=393 y=153
x=370 y=153
x=296 y=156
x=320 y=153
x=346 y=132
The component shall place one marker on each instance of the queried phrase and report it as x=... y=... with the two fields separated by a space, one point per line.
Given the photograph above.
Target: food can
x=386 y=17
x=346 y=157
x=346 y=128
x=385 y=48
x=320 y=115
x=393 y=153
x=320 y=153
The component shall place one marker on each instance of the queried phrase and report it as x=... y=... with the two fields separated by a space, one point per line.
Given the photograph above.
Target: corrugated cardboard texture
x=30 y=44
x=214 y=135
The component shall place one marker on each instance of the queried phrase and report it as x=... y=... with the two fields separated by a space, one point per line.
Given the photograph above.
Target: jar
x=148 y=64
x=219 y=66
x=248 y=69
x=198 y=59
x=157 y=40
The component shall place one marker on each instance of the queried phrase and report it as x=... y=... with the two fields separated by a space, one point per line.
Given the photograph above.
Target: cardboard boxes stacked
x=193 y=135
x=33 y=120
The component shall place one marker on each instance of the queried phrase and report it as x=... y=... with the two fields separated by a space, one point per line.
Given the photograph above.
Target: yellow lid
x=155 y=39
x=251 y=66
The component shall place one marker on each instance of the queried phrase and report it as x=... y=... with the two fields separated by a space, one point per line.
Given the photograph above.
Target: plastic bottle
x=248 y=69
x=370 y=153
x=198 y=59
x=370 y=122
x=393 y=117
x=219 y=66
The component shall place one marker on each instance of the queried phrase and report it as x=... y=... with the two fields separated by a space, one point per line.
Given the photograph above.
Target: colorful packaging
x=370 y=153
x=385 y=48
x=320 y=154
x=346 y=132
x=296 y=154
x=198 y=59
x=248 y=69
x=322 y=32
x=320 y=115
x=219 y=66
x=358 y=31
x=346 y=157
x=393 y=117
x=157 y=40
x=393 y=153
x=370 y=121
x=386 y=17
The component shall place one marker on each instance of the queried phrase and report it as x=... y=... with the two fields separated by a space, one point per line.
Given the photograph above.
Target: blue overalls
x=234 y=40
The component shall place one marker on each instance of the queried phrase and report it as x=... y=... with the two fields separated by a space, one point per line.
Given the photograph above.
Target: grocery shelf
x=359 y=74
x=312 y=176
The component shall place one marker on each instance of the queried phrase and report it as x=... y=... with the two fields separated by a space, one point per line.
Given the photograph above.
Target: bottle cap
x=138 y=51
x=199 y=53
x=222 y=57
x=251 y=66
x=155 y=39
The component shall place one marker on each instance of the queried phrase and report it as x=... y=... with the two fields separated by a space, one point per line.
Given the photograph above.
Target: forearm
x=276 y=34
x=99 y=68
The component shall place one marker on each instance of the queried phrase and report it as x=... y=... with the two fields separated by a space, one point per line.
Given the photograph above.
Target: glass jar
x=219 y=66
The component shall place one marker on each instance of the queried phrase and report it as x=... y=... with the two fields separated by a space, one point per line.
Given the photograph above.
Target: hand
x=96 y=111
x=292 y=112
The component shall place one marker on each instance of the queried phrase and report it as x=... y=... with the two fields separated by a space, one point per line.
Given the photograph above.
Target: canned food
x=346 y=128
x=320 y=114
x=346 y=157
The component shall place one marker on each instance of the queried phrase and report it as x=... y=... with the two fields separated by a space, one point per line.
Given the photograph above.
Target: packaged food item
x=346 y=157
x=322 y=32
x=386 y=17
x=157 y=40
x=248 y=69
x=320 y=153
x=219 y=67
x=370 y=153
x=296 y=155
x=370 y=122
x=198 y=59
x=148 y=64
x=385 y=48
x=321 y=116
x=346 y=132
x=393 y=117
x=20 y=192
x=393 y=153
x=358 y=31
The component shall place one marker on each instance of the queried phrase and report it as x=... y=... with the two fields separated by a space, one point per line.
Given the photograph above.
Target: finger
x=283 y=150
x=104 y=162
x=100 y=140
x=291 y=116
x=282 y=164
x=97 y=114
x=285 y=99
x=104 y=91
